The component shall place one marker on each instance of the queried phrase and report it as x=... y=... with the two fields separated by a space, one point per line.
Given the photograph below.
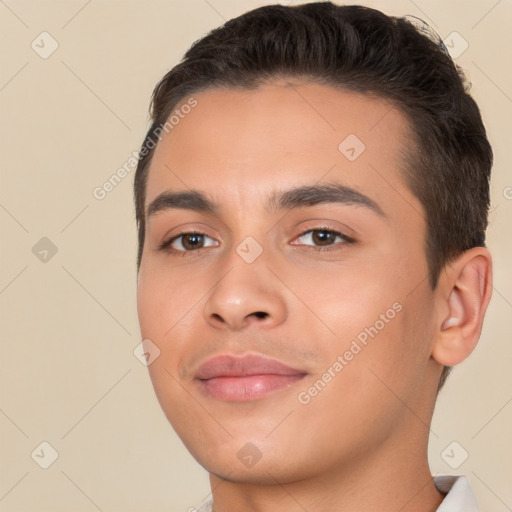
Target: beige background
x=68 y=375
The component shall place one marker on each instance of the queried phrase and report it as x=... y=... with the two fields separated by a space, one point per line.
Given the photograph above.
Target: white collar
x=459 y=497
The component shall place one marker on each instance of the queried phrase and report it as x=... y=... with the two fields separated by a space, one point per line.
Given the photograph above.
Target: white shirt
x=459 y=497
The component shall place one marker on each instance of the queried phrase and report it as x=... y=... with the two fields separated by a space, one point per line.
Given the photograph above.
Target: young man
x=312 y=201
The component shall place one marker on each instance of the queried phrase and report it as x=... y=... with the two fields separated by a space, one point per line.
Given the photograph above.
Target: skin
x=360 y=443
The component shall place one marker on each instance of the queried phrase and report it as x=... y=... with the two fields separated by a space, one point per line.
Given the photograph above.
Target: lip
x=244 y=378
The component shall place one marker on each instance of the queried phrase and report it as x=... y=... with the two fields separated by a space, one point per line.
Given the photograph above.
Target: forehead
x=243 y=144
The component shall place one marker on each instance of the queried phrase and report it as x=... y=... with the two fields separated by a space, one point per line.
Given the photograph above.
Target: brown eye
x=322 y=237
x=192 y=241
x=188 y=242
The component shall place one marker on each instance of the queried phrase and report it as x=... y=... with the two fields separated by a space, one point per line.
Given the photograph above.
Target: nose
x=247 y=294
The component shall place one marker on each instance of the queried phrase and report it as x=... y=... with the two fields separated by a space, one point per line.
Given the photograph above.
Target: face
x=287 y=321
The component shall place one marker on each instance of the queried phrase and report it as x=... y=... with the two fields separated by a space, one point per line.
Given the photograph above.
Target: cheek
x=351 y=299
x=168 y=306
x=163 y=301
x=161 y=315
x=150 y=300
x=373 y=315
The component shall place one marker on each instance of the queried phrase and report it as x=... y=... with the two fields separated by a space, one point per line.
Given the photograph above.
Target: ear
x=464 y=291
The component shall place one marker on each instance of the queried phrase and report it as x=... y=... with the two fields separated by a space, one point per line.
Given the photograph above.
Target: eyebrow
x=298 y=197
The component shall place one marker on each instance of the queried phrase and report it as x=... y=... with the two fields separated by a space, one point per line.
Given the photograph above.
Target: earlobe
x=465 y=291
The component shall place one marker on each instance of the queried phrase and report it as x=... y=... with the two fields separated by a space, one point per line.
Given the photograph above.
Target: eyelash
x=166 y=245
x=346 y=239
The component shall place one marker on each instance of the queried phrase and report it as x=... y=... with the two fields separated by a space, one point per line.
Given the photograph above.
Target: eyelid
x=168 y=241
x=330 y=225
x=183 y=229
x=165 y=245
x=346 y=238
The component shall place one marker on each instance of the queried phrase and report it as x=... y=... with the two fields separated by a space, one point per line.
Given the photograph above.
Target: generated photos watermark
x=358 y=344
x=100 y=192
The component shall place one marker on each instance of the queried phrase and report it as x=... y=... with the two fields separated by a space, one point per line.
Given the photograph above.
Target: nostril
x=260 y=314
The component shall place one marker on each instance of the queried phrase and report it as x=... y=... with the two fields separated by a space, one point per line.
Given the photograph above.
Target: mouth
x=246 y=378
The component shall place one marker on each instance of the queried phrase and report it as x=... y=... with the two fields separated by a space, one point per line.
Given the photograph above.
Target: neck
x=395 y=477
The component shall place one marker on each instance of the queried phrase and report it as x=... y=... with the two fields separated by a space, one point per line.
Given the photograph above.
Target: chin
x=264 y=472
x=260 y=463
